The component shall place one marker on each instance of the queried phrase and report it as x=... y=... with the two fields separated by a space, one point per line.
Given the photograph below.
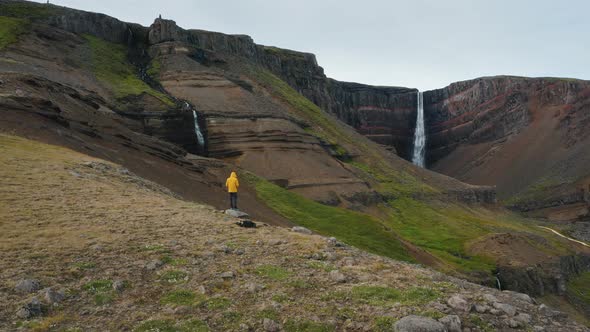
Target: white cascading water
x=420 y=134
x=200 y=137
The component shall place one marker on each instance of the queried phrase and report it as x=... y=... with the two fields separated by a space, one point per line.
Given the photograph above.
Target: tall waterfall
x=200 y=137
x=420 y=134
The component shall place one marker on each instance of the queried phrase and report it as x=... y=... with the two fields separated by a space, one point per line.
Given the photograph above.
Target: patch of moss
x=352 y=227
x=384 y=323
x=45 y=324
x=174 y=277
x=273 y=272
x=280 y=298
x=102 y=291
x=174 y=261
x=321 y=266
x=300 y=284
x=230 y=320
x=154 y=68
x=267 y=313
x=217 y=303
x=480 y=323
x=579 y=287
x=11 y=29
x=158 y=248
x=84 y=265
x=307 y=326
x=382 y=296
x=434 y=314
x=111 y=67
x=169 y=325
x=180 y=297
x=98 y=286
x=103 y=298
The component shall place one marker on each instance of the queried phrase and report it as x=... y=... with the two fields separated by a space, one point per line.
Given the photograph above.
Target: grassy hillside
x=10 y=29
x=111 y=66
x=127 y=255
x=357 y=229
x=579 y=288
x=443 y=228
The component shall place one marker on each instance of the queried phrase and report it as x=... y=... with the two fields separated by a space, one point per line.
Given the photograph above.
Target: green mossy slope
x=10 y=29
x=354 y=228
x=111 y=67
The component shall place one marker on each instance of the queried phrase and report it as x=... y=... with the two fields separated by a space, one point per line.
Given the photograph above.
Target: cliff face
x=528 y=136
x=384 y=114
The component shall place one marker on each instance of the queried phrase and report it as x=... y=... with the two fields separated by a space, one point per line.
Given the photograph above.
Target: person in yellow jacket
x=232 y=185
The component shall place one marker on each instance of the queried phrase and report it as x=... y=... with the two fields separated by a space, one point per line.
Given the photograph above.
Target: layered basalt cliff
x=528 y=136
x=384 y=114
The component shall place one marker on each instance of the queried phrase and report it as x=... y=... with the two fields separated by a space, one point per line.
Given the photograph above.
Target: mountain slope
x=132 y=95
x=122 y=253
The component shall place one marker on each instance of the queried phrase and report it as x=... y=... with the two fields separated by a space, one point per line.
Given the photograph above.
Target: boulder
x=523 y=297
x=505 y=308
x=302 y=230
x=27 y=286
x=118 y=286
x=418 y=324
x=53 y=296
x=30 y=309
x=337 y=276
x=452 y=323
x=490 y=298
x=154 y=265
x=523 y=318
x=481 y=308
x=457 y=302
x=236 y=213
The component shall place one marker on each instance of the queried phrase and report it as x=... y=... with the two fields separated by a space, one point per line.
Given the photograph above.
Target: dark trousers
x=233 y=200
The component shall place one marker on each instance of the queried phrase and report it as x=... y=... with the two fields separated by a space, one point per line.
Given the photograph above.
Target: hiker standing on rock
x=232 y=185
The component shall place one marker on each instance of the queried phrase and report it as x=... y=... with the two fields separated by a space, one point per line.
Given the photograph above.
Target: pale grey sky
x=424 y=44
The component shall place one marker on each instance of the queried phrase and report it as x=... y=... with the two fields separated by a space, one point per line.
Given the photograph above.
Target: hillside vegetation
x=125 y=254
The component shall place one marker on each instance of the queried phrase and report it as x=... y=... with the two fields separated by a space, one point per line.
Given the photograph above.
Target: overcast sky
x=425 y=44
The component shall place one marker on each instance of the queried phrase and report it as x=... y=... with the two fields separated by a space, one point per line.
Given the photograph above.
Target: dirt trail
x=563 y=236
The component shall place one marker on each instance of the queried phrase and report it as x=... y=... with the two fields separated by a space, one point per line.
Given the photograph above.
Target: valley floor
x=126 y=254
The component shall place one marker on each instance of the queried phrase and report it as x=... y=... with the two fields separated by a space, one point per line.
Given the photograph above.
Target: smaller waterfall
x=498 y=283
x=200 y=137
x=419 y=134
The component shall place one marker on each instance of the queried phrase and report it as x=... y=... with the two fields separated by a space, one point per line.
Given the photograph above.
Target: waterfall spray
x=420 y=134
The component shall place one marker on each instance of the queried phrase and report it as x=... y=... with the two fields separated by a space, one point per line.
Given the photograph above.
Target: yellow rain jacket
x=232 y=183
